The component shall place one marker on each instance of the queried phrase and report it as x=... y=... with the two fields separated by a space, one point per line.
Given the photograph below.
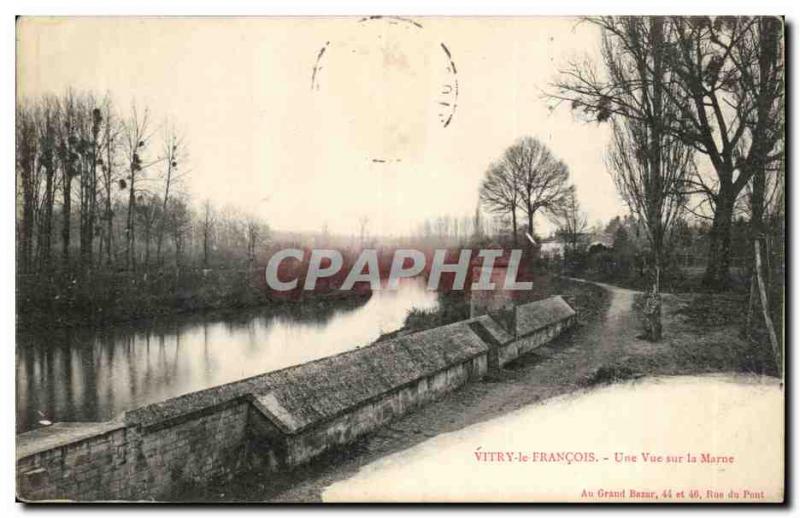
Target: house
x=551 y=248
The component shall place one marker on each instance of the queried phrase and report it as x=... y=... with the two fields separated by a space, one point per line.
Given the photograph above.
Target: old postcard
x=400 y=259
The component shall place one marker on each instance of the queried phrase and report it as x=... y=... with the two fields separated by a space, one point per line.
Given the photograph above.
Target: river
x=94 y=375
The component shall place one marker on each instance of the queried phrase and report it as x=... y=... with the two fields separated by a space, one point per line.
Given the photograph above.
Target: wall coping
x=250 y=390
x=61 y=434
x=535 y=316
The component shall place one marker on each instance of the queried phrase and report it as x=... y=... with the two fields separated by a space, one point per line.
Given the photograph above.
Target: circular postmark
x=390 y=82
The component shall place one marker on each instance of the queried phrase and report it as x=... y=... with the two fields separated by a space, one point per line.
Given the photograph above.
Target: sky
x=366 y=138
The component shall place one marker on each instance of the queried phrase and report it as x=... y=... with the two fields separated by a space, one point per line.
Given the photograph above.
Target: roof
x=495 y=330
x=315 y=392
x=60 y=434
x=298 y=397
x=601 y=238
x=536 y=315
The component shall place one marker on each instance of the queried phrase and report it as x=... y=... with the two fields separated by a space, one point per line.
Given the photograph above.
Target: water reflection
x=90 y=375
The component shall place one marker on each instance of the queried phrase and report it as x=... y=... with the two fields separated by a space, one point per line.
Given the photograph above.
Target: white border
x=11 y=8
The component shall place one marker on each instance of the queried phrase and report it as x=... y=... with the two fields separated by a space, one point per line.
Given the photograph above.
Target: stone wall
x=159 y=451
x=131 y=462
x=347 y=427
x=537 y=323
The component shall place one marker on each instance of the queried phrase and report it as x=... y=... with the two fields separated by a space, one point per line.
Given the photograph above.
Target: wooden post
x=773 y=339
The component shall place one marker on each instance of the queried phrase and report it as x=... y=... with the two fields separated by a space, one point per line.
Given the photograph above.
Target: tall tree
x=179 y=218
x=26 y=166
x=763 y=85
x=207 y=229
x=708 y=61
x=731 y=70
x=542 y=179
x=91 y=119
x=137 y=129
x=649 y=164
x=572 y=224
x=500 y=193
x=477 y=224
x=48 y=161
x=173 y=154
x=69 y=158
x=109 y=180
x=256 y=233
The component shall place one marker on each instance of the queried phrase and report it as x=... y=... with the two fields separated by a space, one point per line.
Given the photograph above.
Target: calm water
x=88 y=375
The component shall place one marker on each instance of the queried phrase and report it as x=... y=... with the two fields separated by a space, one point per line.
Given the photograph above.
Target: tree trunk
x=719 y=251
x=109 y=178
x=653 y=192
x=26 y=234
x=46 y=223
x=147 y=245
x=205 y=249
x=773 y=339
x=514 y=227
x=129 y=226
x=530 y=223
x=66 y=216
x=109 y=227
x=530 y=229
x=653 y=306
x=162 y=218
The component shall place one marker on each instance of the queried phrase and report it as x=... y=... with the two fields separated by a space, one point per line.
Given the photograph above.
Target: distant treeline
x=102 y=189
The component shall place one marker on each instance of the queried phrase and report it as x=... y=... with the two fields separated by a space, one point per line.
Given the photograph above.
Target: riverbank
x=127 y=297
x=604 y=348
x=93 y=374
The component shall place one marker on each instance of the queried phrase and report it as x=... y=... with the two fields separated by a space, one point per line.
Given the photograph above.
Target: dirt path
x=616 y=335
x=567 y=364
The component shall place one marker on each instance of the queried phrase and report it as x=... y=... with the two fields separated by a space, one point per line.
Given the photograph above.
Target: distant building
x=551 y=248
x=554 y=247
x=599 y=239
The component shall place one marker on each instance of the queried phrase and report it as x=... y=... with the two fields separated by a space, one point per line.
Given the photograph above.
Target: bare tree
x=712 y=64
x=174 y=155
x=732 y=71
x=69 y=158
x=572 y=223
x=763 y=83
x=649 y=164
x=649 y=170
x=90 y=119
x=207 y=229
x=257 y=232
x=27 y=175
x=477 y=224
x=179 y=219
x=73 y=150
x=541 y=179
x=48 y=162
x=137 y=134
x=109 y=180
x=148 y=211
x=500 y=193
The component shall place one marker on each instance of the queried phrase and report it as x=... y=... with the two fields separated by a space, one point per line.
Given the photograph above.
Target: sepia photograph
x=400 y=259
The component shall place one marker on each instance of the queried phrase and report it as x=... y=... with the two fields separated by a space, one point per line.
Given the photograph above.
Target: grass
x=608 y=374
x=703 y=334
x=587 y=299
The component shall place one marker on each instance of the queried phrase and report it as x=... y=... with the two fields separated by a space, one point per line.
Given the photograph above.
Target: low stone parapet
x=276 y=420
x=537 y=323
